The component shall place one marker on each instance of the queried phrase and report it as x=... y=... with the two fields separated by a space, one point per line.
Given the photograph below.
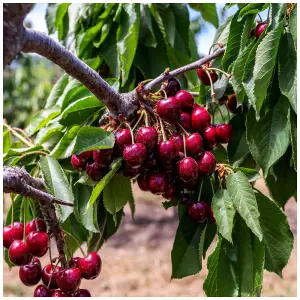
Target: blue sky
x=203 y=40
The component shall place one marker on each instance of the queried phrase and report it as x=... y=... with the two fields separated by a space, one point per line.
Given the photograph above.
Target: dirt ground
x=136 y=261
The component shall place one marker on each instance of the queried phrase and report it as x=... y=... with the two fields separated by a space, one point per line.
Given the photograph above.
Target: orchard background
x=127 y=44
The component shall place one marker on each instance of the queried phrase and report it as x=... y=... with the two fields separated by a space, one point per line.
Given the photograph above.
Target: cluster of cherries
x=57 y=281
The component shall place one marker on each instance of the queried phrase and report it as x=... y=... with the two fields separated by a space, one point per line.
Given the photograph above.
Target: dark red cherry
x=37 y=243
x=130 y=172
x=135 y=155
x=147 y=136
x=86 y=155
x=200 y=119
x=223 y=133
x=78 y=163
x=90 y=266
x=103 y=157
x=94 y=171
x=191 y=185
x=170 y=192
x=204 y=77
x=158 y=183
x=206 y=163
x=82 y=293
x=42 y=291
x=68 y=280
x=188 y=169
x=172 y=86
x=209 y=137
x=58 y=293
x=185 y=120
x=142 y=182
x=36 y=224
x=11 y=233
x=123 y=138
x=232 y=104
x=178 y=140
x=48 y=273
x=198 y=211
x=168 y=109
x=223 y=100
x=185 y=100
x=194 y=144
x=18 y=253
x=150 y=162
x=167 y=152
x=211 y=215
x=31 y=274
x=260 y=28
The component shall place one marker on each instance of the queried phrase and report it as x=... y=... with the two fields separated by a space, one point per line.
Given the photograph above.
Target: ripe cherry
x=82 y=293
x=78 y=163
x=178 y=140
x=223 y=133
x=200 y=119
x=18 y=253
x=190 y=185
x=167 y=152
x=170 y=192
x=90 y=266
x=206 y=163
x=185 y=120
x=142 y=182
x=168 y=109
x=31 y=274
x=147 y=136
x=260 y=28
x=232 y=104
x=204 y=77
x=58 y=293
x=185 y=100
x=172 y=86
x=123 y=138
x=209 y=137
x=135 y=155
x=103 y=157
x=68 y=280
x=130 y=172
x=158 y=183
x=37 y=243
x=198 y=211
x=194 y=144
x=211 y=215
x=188 y=169
x=42 y=291
x=86 y=155
x=11 y=233
x=150 y=162
x=48 y=273
x=94 y=171
x=31 y=226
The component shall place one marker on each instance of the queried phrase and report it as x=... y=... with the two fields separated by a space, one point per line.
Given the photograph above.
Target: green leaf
x=210 y=233
x=170 y=203
x=265 y=61
x=224 y=212
x=127 y=38
x=104 y=181
x=21 y=151
x=131 y=203
x=186 y=255
x=293 y=133
x=49 y=133
x=244 y=201
x=293 y=25
x=41 y=119
x=258 y=248
x=57 y=185
x=57 y=90
x=252 y=8
x=251 y=174
x=7 y=140
x=208 y=12
x=268 y=139
x=220 y=154
x=278 y=238
x=50 y=17
x=287 y=74
x=90 y=138
x=116 y=194
x=223 y=32
x=147 y=36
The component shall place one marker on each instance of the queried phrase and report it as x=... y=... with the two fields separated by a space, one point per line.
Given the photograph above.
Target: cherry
x=190 y=185
x=31 y=226
x=11 y=233
x=185 y=199
x=78 y=163
x=167 y=152
x=150 y=162
x=37 y=243
x=178 y=140
x=260 y=28
x=68 y=280
x=82 y=293
x=194 y=143
x=130 y=172
x=58 y=293
x=90 y=266
x=209 y=137
x=188 y=169
x=198 y=211
x=135 y=155
x=206 y=163
x=223 y=99
x=94 y=171
x=86 y=155
x=42 y=291
x=74 y=261
x=168 y=109
x=172 y=86
x=31 y=274
x=223 y=133
x=142 y=181
x=232 y=104
x=200 y=119
x=185 y=121
x=158 y=183
x=170 y=192
x=211 y=215
x=147 y=136
x=48 y=273
x=123 y=138
x=18 y=253
x=103 y=157
x=185 y=100
x=204 y=77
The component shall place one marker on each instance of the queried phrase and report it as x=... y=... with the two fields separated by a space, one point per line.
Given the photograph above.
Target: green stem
x=211 y=86
x=73 y=237
x=200 y=189
x=18 y=136
x=146 y=119
x=219 y=70
x=184 y=131
x=138 y=121
x=49 y=283
x=132 y=137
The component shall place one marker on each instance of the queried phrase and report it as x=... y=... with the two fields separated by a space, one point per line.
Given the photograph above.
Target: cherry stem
x=121 y=124
x=12 y=210
x=185 y=132
x=200 y=189
x=212 y=46
x=146 y=118
x=260 y=17
x=23 y=132
x=73 y=237
x=184 y=145
x=49 y=283
x=162 y=129
x=18 y=136
x=34 y=152
x=166 y=96
x=132 y=137
x=138 y=121
x=211 y=86
x=219 y=70
x=24 y=221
